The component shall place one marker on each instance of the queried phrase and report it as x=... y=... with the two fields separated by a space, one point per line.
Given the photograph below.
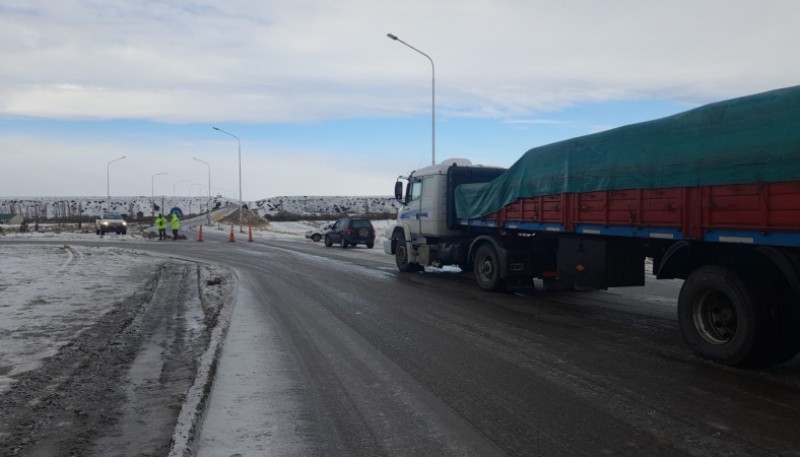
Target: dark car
x=351 y=231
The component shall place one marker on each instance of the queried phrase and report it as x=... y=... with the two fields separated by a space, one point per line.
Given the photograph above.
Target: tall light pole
x=153 y=194
x=433 y=97
x=239 y=142
x=108 y=182
x=208 y=202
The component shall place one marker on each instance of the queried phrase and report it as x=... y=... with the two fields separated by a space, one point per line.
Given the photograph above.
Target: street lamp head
x=214 y=128
x=391 y=36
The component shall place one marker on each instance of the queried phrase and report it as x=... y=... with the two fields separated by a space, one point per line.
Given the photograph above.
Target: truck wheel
x=315 y=237
x=720 y=316
x=401 y=256
x=328 y=242
x=487 y=269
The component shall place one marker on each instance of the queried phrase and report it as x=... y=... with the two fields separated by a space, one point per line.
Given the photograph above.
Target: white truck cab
x=425 y=226
x=425 y=207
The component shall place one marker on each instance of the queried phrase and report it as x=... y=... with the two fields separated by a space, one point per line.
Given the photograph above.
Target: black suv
x=351 y=231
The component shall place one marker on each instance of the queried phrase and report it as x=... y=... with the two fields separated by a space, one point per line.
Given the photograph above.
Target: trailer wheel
x=487 y=269
x=401 y=256
x=720 y=316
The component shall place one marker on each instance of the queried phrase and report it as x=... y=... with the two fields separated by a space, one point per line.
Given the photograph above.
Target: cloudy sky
x=324 y=103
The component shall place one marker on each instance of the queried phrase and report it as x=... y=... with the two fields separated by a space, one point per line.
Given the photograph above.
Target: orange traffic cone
x=200 y=233
x=231 y=237
x=249 y=233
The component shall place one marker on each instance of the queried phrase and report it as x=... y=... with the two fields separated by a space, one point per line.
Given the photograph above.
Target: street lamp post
x=433 y=97
x=108 y=182
x=239 y=142
x=153 y=194
x=208 y=202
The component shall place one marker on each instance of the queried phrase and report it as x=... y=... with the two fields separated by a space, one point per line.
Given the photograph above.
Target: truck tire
x=401 y=256
x=487 y=269
x=720 y=316
x=328 y=241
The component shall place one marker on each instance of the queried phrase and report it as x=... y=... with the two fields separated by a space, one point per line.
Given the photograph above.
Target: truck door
x=409 y=214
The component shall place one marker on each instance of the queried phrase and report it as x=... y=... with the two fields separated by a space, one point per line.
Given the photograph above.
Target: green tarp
x=753 y=139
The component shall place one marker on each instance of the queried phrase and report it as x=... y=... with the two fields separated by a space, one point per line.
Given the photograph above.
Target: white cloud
x=259 y=61
x=534 y=122
x=250 y=62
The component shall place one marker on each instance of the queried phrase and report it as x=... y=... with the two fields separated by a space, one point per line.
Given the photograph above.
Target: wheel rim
x=715 y=317
x=487 y=268
x=402 y=255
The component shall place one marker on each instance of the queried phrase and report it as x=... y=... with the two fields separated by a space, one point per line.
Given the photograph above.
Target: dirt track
x=118 y=387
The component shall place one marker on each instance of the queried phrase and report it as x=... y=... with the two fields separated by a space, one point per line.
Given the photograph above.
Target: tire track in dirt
x=118 y=387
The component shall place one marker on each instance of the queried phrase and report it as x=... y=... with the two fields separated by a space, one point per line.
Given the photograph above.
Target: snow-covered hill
x=311 y=205
x=142 y=206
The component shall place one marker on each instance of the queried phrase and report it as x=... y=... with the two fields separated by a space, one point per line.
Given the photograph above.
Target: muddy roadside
x=118 y=387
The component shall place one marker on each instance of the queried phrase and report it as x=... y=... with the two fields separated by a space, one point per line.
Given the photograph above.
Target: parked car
x=111 y=222
x=351 y=231
x=319 y=233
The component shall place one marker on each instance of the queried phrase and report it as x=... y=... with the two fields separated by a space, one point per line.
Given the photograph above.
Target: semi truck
x=710 y=196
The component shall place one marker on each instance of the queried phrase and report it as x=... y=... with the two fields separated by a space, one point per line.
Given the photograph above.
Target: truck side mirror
x=398 y=191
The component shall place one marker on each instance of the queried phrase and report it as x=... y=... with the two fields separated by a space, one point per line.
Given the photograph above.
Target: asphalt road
x=333 y=352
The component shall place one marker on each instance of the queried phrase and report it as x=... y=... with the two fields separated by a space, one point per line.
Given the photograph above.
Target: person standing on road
x=161 y=226
x=176 y=224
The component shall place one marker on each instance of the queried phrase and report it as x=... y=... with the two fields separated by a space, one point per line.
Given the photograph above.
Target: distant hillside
x=71 y=207
x=317 y=205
